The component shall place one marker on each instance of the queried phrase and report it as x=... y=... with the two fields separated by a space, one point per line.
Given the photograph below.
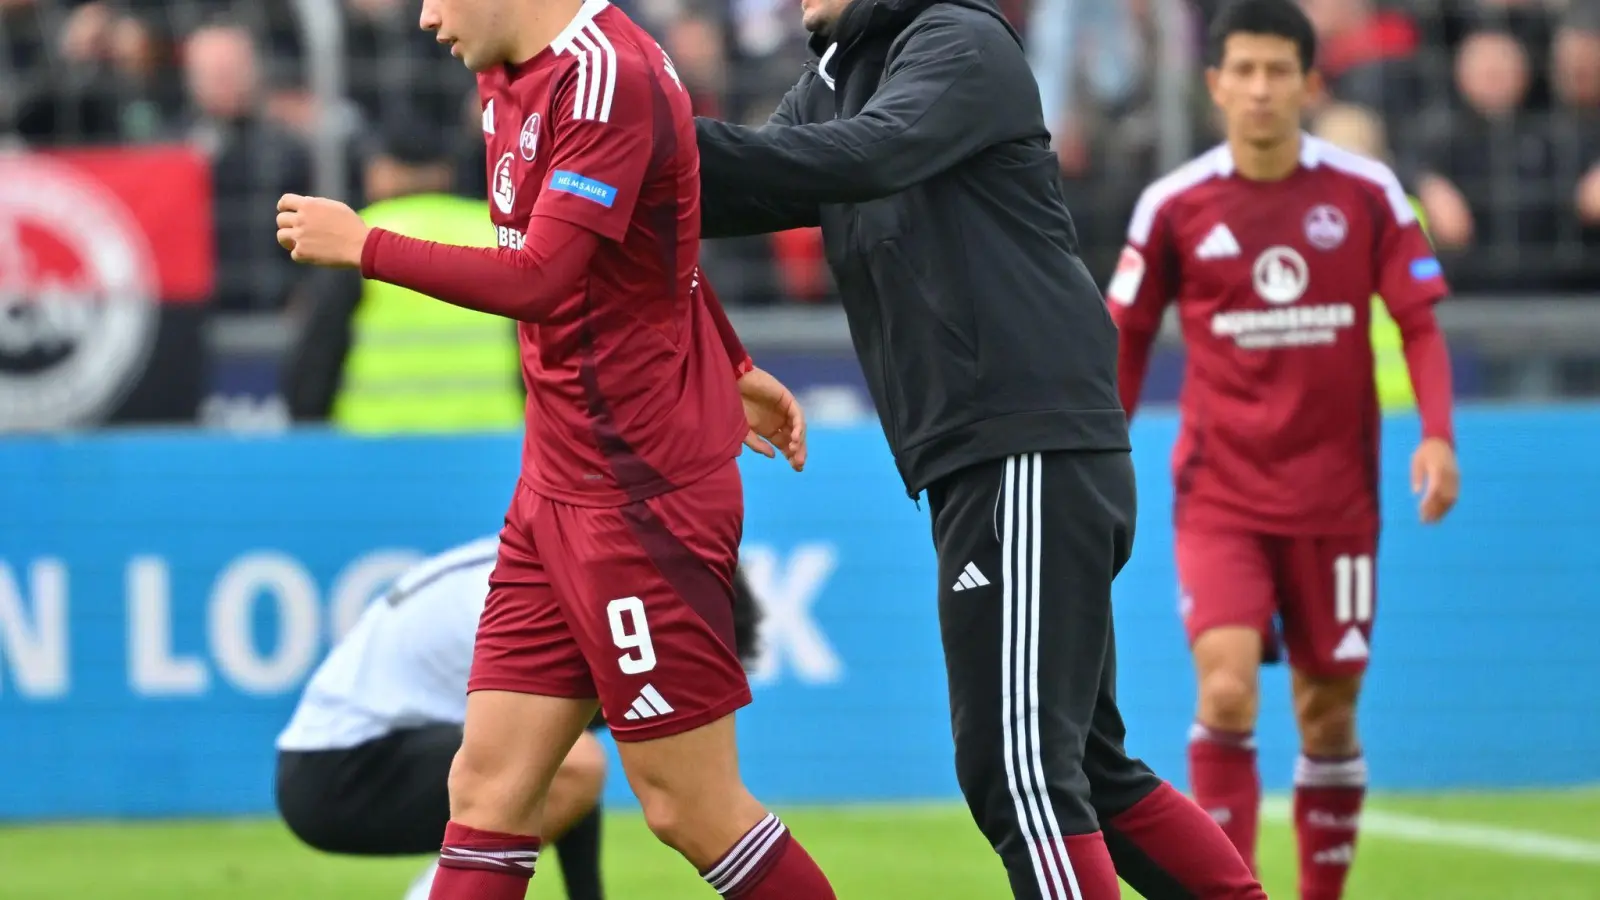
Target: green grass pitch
x=1526 y=846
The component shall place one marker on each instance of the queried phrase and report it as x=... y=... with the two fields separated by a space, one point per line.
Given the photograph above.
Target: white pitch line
x=1420 y=830
x=1376 y=822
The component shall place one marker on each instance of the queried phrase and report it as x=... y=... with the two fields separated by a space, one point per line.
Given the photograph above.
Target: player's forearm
x=1428 y=361
x=737 y=355
x=525 y=284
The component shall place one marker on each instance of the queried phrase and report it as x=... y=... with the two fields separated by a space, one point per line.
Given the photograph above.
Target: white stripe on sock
x=496 y=854
x=1331 y=772
x=1199 y=733
x=735 y=855
x=753 y=857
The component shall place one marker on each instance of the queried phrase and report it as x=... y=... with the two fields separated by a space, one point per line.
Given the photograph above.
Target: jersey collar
x=1310 y=155
x=569 y=34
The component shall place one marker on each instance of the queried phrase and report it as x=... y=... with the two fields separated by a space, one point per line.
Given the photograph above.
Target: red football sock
x=1226 y=783
x=484 y=865
x=768 y=864
x=1166 y=846
x=1327 y=814
x=1090 y=866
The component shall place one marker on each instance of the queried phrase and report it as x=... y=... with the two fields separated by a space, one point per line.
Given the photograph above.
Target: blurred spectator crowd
x=1489 y=109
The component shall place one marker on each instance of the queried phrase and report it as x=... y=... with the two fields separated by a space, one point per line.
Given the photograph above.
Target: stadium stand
x=1491 y=111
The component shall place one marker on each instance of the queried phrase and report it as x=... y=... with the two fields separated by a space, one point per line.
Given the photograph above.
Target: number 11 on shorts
x=631 y=633
x=1352 y=589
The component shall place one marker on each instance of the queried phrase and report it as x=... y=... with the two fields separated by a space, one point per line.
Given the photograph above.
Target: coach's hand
x=775 y=418
x=1435 y=476
x=321 y=232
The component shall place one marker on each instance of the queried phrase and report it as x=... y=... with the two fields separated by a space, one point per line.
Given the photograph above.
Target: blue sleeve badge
x=598 y=191
x=1425 y=268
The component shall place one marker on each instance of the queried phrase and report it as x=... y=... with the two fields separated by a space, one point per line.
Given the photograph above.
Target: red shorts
x=1322 y=590
x=631 y=604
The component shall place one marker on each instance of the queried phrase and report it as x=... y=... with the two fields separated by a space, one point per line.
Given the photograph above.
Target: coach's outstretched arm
x=727 y=211
x=953 y=90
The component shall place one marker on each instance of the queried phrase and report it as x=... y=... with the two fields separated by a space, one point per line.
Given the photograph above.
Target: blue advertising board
x=163 y=597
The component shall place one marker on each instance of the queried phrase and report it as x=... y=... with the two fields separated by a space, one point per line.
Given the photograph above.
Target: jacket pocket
x=929 y=345
x=949 y=315
x=877 y=221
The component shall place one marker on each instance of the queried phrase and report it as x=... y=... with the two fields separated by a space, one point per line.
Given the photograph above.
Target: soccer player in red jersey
x=614 y=577
x=1271 y=245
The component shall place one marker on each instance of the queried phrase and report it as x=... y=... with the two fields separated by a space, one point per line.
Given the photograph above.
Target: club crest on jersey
x=1326 y=227
x=528 y=141
x=504 y=189
x=1280 y=275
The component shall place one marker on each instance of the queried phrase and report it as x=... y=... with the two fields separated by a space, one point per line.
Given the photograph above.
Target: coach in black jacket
x=917 y=143
x=980 y=331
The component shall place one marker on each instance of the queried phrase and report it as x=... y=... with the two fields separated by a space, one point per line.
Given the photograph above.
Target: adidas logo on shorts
x=648 y=705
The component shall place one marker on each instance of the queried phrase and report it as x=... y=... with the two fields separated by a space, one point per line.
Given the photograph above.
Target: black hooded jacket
x=916 y=142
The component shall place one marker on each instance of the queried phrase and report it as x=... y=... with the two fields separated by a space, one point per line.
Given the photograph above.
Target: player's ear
x=1213 y=77
x=1316 y=88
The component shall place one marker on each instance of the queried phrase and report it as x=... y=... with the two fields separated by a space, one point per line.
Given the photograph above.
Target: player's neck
x=539 y=25
x=1275 y=163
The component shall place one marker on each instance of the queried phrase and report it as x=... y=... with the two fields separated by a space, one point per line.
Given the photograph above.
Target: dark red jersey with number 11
x=1273 y=283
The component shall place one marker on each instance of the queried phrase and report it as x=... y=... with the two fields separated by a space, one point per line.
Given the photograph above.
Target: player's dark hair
x=747 y=616
x=1277 y=18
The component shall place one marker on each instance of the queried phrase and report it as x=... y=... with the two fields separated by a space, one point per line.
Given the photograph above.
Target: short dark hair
x=1278 y=18
x=747 y=616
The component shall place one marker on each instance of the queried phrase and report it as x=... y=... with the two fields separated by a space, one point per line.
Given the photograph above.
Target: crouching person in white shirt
x=364 y=764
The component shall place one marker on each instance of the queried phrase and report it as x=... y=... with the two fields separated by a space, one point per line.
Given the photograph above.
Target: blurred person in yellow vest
x=1359 y=130
x=416 y=365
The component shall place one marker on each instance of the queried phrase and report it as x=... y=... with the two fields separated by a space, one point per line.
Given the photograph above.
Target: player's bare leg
x=1223 y=775
x=573 y=799
x=1330 y=781
x=499 y=784
x=575 y=788
x=695 y=801
x=1161 y=843
x=572 y=817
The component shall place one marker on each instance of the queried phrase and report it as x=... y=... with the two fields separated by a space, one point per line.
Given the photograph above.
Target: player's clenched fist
x=1434 y=474
x=320 y=231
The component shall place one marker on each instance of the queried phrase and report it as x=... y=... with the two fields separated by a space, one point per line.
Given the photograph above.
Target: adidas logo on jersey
x=970 y=578
x=1351 y=646
x=1219 y=243
x=648 y=705
x=488 y=117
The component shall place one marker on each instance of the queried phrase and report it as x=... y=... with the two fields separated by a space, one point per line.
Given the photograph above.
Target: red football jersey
x=1273 y=281
x=630 y=392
